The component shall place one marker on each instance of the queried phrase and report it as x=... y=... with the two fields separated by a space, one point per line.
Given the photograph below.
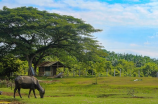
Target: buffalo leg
x=34 y=93
x=29 y=93
x=15 y=91
x=19 y=92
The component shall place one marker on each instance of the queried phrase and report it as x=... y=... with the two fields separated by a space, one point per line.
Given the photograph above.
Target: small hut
x=49 y=68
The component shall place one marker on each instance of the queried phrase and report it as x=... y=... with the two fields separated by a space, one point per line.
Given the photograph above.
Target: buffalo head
x=42 y=93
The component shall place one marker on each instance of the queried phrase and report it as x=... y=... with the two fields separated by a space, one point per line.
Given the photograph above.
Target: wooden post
x=57 y=68
x=114 y=72
x=11 y=85
x=107 y=72
x=44 y=71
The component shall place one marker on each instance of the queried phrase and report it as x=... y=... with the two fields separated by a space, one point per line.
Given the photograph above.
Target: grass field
x=83 y=90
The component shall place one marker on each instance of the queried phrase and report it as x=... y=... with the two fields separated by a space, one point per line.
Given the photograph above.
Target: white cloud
x=98 y=12
x=133 y=0
x=146 y=52
x=103 y=15
x=115 y=14
x=133 y=45
x=146 y=43
x=154 y=36
x=122 y=47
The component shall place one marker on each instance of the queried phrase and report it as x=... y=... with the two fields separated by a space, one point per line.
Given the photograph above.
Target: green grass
x=81 y=90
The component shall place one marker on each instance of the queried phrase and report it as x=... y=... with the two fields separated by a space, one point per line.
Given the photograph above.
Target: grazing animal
x=28 y=82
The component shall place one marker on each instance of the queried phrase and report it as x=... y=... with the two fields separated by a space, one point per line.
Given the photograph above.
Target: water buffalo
x=28 y=82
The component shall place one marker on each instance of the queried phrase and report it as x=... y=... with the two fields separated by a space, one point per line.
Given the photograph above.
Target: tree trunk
x=35 y=67
x=30 y=66
x=114 y=72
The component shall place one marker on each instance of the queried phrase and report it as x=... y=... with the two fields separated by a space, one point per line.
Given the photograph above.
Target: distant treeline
x=139 y=60
x=111 y=64
x=133 y=65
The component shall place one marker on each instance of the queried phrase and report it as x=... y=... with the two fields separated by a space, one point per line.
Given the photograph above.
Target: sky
x=129 y=26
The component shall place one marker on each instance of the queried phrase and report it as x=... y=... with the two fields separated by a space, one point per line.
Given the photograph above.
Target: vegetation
x=36 y=36
x=29 y=36
x=32 y=34
x=112 y=90
x=112 y=64
x=132 y=65
x=9 y=65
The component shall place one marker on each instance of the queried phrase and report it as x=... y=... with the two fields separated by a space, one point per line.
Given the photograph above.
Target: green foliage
x=34 y=34
x=133 y=65
x=95 y=64
x=23 y=69
x=150 y=69
x=10 y=65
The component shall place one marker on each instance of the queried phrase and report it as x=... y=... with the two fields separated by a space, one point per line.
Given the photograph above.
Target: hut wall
x=41 y=71
x=53 y=70
x=49 y=68
x=47 y=71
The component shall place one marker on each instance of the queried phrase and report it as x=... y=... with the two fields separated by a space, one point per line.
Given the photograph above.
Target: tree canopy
x=33 y=34
x=8 y=65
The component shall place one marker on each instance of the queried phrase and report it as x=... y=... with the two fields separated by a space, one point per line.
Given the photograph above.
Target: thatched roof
x=47 y=64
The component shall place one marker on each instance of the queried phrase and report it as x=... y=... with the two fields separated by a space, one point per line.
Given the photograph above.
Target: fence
x=7 y=83
x=107 y=73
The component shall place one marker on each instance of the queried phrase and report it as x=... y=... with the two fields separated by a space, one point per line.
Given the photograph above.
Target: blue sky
x=129 y=26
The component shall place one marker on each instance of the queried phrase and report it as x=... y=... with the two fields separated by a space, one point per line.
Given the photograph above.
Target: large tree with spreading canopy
x=33 y=34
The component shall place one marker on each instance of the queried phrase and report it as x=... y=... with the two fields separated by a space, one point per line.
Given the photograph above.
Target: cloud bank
x=127 y=28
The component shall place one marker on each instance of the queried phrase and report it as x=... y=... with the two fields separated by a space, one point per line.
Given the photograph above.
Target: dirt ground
x=11 y=93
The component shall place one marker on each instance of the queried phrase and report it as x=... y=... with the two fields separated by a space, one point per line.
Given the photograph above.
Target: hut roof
x=47 y=64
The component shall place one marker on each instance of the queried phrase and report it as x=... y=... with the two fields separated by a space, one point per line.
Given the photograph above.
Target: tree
x=9 y=64
x=31 y=33
x=99 y=67
x=150 y=69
